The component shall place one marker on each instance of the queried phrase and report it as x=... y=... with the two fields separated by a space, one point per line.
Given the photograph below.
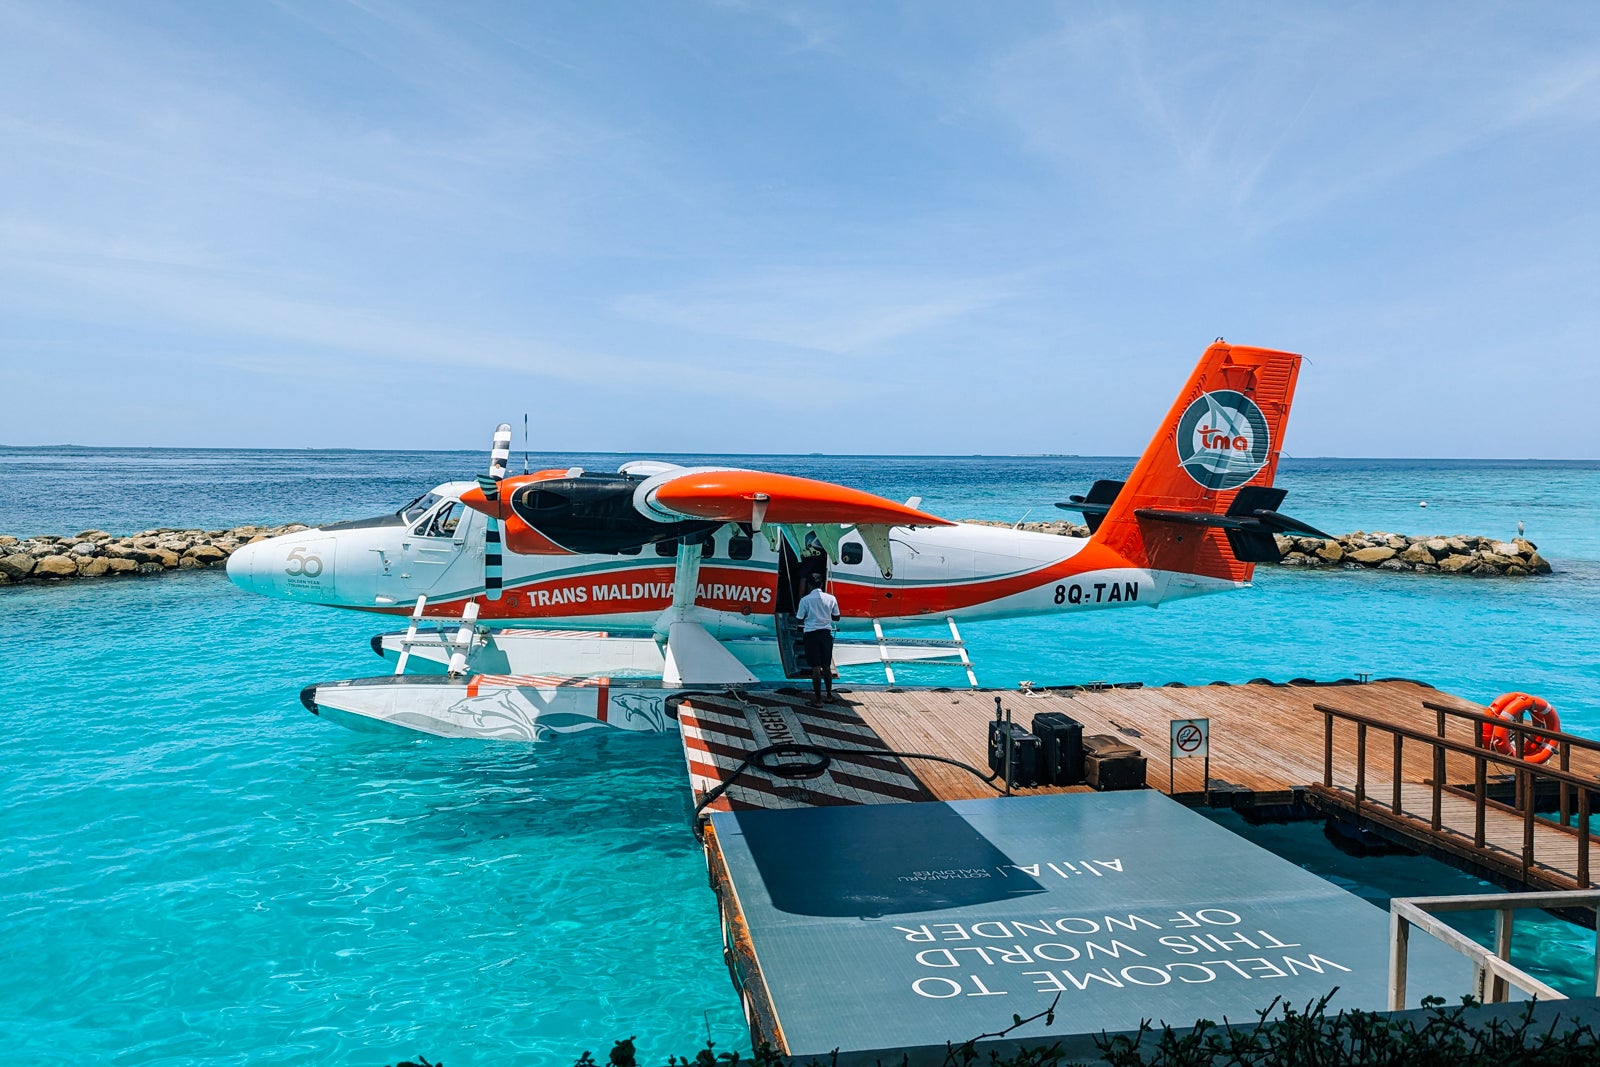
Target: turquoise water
x=198 y=872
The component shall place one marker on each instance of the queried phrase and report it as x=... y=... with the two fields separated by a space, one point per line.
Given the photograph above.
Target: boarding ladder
x=461 y=644
x=891 y=650
x=887 y=645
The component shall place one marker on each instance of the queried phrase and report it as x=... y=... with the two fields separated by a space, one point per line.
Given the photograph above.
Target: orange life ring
x=1509 y=707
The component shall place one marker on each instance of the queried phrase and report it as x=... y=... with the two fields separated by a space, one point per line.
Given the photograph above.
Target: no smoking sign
x=1191 y=737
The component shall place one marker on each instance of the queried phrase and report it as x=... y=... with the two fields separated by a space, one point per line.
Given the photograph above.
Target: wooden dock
x=1368 y=752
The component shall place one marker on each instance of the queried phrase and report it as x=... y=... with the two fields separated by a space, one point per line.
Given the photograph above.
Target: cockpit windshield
x=419 y=507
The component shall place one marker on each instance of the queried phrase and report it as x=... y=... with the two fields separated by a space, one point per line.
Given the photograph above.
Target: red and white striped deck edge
x=719 y=731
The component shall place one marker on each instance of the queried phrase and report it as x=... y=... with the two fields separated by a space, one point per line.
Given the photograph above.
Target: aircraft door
x=794 y=574
x=428 y=550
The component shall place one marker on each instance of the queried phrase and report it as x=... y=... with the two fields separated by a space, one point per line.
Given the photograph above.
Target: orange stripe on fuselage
x=740 y=590
x=890 y=600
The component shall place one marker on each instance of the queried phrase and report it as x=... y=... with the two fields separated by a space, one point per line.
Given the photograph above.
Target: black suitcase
x=1024 y=754
x=1112 y=764
x=1061 y=745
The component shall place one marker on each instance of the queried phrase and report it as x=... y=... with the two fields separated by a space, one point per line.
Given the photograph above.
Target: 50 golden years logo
x=1223 y=439
x=301 y=564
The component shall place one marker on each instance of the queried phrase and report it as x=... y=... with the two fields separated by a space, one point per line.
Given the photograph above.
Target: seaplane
x=564 y=600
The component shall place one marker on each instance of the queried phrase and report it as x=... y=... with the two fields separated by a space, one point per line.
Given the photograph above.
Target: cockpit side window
x=419 y=507
x=444 y=521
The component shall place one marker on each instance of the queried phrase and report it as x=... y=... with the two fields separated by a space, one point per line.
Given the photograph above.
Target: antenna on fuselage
x=524 y=442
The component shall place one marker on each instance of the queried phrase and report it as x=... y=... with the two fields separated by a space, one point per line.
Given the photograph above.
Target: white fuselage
x=964 y=571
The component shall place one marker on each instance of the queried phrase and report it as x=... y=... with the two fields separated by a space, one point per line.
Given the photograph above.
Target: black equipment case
x=1061 y=743
x=1025 y=762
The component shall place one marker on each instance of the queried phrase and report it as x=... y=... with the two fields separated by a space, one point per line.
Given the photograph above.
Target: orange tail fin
x=1224 y=433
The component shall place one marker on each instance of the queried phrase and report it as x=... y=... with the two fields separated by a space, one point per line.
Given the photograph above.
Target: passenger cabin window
x=739 y=547
x=708 y=546
x=666 y=548
x=850 y=552
x=634 y=551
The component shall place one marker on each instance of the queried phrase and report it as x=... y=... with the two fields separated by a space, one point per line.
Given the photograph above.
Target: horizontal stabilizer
x=1249 y=523
x=1285 y=524
x=1094 y=505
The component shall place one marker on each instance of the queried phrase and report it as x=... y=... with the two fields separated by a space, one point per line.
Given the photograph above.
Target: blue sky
x=740 y=226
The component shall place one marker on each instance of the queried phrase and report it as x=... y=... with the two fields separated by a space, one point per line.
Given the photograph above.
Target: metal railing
x=1526 y=774
x=1493 y=972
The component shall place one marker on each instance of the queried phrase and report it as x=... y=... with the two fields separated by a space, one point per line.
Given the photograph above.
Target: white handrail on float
x=1493 y=971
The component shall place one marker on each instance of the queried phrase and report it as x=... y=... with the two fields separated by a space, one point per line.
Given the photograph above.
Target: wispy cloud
x=1274 y=118
x=182 y=289
x=811 y=29
x=844 y=312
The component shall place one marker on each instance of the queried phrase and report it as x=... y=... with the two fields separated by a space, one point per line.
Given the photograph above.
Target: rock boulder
x=206 y=554
x=1416 y=553
x=57 y=566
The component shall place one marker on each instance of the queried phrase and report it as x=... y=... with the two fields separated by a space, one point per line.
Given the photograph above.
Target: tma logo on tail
x=1223 y=439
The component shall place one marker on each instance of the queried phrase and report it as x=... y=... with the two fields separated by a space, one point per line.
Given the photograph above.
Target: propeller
x=499 y=456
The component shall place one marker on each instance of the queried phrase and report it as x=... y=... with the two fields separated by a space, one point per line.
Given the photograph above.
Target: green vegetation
x=1464 y=1036
x=1457 y=1037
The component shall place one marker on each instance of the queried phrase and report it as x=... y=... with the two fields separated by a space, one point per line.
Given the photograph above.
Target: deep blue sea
x=198 y=872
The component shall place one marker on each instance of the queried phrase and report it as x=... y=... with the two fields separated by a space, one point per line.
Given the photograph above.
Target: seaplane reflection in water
x=565 y=600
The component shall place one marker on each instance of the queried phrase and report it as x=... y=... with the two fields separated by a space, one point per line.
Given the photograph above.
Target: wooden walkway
x=1554 y=851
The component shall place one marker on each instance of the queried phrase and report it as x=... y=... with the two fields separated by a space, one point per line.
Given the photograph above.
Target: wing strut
x=693 y=654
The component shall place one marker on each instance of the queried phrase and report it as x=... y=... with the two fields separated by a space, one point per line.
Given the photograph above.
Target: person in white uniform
x=818 y=611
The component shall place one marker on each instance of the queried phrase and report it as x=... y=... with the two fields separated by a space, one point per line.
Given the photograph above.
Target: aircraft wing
x=759 y=497
x=557 y=512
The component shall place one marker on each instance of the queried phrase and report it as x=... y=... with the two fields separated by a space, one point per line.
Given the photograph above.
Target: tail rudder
x=1215 y=455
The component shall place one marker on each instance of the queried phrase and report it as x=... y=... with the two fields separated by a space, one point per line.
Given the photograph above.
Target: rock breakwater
x=1379 y=550
x=1482 y=557
x=98 y=554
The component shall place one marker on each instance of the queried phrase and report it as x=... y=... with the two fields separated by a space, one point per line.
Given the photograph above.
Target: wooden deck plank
x=1266 y=738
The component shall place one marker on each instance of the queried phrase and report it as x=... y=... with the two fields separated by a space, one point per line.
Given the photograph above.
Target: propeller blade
x=500 y=454
x=499 y=457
